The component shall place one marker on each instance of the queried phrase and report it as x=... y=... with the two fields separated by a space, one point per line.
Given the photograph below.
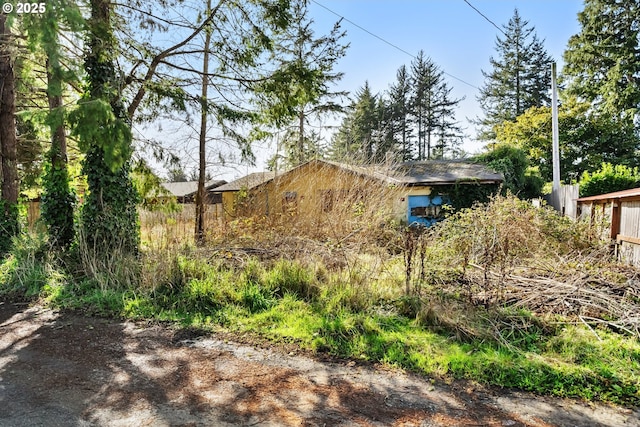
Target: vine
x=57 y=201
x=465 y=193
x=109 y=218
x=9 y=225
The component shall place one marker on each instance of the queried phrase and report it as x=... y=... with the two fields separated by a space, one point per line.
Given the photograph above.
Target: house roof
x=634 y=192
x=431 y=172
x=182 y=189
x=443 y=172
x=248 y=182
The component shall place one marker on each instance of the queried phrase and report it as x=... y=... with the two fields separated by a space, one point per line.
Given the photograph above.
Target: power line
x=387 y=42
x=485 y=17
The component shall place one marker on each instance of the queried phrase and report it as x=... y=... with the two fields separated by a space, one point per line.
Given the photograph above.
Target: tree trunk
x=8 y=140
x=8 y=143
x=301 y=157
x=200 y=206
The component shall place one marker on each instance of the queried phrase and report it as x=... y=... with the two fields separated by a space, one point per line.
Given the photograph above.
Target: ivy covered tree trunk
x=109 y=219
x=8 y=143
x=57 y=198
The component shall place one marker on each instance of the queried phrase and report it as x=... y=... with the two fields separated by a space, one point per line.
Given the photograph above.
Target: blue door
x=425 y=210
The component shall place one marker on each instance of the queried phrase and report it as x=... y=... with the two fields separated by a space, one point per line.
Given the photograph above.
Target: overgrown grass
x=359 y=310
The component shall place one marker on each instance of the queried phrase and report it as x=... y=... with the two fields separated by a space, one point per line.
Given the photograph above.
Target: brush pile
x=510 y=254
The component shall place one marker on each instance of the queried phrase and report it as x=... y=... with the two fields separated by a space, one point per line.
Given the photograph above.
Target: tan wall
x=229 y=204
x=315 y=189
x=401 y=201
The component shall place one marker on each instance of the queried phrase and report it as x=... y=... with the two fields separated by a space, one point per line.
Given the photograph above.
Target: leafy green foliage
x=153 y=196
x=513 y=163
x=608 y=179
x=9 y=225
x=58 y=203
x=587 y=139
x=96 y=125
x=109 y=218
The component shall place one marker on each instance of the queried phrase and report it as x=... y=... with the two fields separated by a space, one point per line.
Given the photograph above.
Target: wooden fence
x=565 y=200
x=619 y=218
x=158 y=226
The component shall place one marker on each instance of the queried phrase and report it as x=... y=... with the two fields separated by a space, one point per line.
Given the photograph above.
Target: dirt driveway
x=67 y=370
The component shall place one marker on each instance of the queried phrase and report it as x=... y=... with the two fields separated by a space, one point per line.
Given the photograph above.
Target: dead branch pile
x=589 y=297
x=511 y=254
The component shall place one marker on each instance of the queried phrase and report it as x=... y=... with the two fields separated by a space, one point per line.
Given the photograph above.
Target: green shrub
x=609 y=179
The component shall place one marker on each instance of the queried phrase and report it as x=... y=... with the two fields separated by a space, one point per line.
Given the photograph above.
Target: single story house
x=234 y=193
x=412 y=192
x=620 y=211
x=185 y=191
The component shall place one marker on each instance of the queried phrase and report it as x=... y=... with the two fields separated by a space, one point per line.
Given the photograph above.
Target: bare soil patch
x=69 y=370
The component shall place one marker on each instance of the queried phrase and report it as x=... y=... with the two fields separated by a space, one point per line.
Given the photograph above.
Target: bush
x=608 y=179
x=513 y=163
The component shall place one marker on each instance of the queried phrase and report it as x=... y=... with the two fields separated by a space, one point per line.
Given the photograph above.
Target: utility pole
x=556 y=140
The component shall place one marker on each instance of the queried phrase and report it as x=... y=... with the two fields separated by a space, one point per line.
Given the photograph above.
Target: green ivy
x=465 y=193
x=58 y=203
x=109 y=219
x=9 y=225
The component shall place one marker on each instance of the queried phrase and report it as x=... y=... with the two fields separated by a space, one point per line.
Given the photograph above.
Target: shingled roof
x=186 y=188
x=434 y=172
x=428 y=172
x=248 y=182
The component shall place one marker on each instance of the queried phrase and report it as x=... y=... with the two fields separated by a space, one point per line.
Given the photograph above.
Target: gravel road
x=60 y=369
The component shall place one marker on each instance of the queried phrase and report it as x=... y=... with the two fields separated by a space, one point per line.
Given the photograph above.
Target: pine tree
x=399 y=109
x=304 y=78
x=356 y=140
x=519 y=78
x=602 y=64
x=448 y=133
x=432 y=109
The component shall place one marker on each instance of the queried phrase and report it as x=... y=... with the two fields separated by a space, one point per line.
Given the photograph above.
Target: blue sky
x=450 y=32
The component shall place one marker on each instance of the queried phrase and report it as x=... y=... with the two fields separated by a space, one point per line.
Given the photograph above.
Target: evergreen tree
x=431 y=108
x=519 y=79
x=303 y=79
x=356 y=138
x=602 y=64
x=57 y=198
x=399 y=110
x=109 y=216
x=425 y=77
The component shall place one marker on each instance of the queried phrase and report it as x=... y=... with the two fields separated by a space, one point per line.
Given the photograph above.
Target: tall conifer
x=519 y=79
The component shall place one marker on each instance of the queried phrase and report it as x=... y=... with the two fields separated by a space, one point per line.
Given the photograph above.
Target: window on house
x=328 y=198
x=428 y=212
x=290 y=202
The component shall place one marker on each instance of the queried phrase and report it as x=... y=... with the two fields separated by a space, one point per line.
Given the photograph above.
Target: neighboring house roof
x=634 y=192
x=183 y=189
x=248 y=182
